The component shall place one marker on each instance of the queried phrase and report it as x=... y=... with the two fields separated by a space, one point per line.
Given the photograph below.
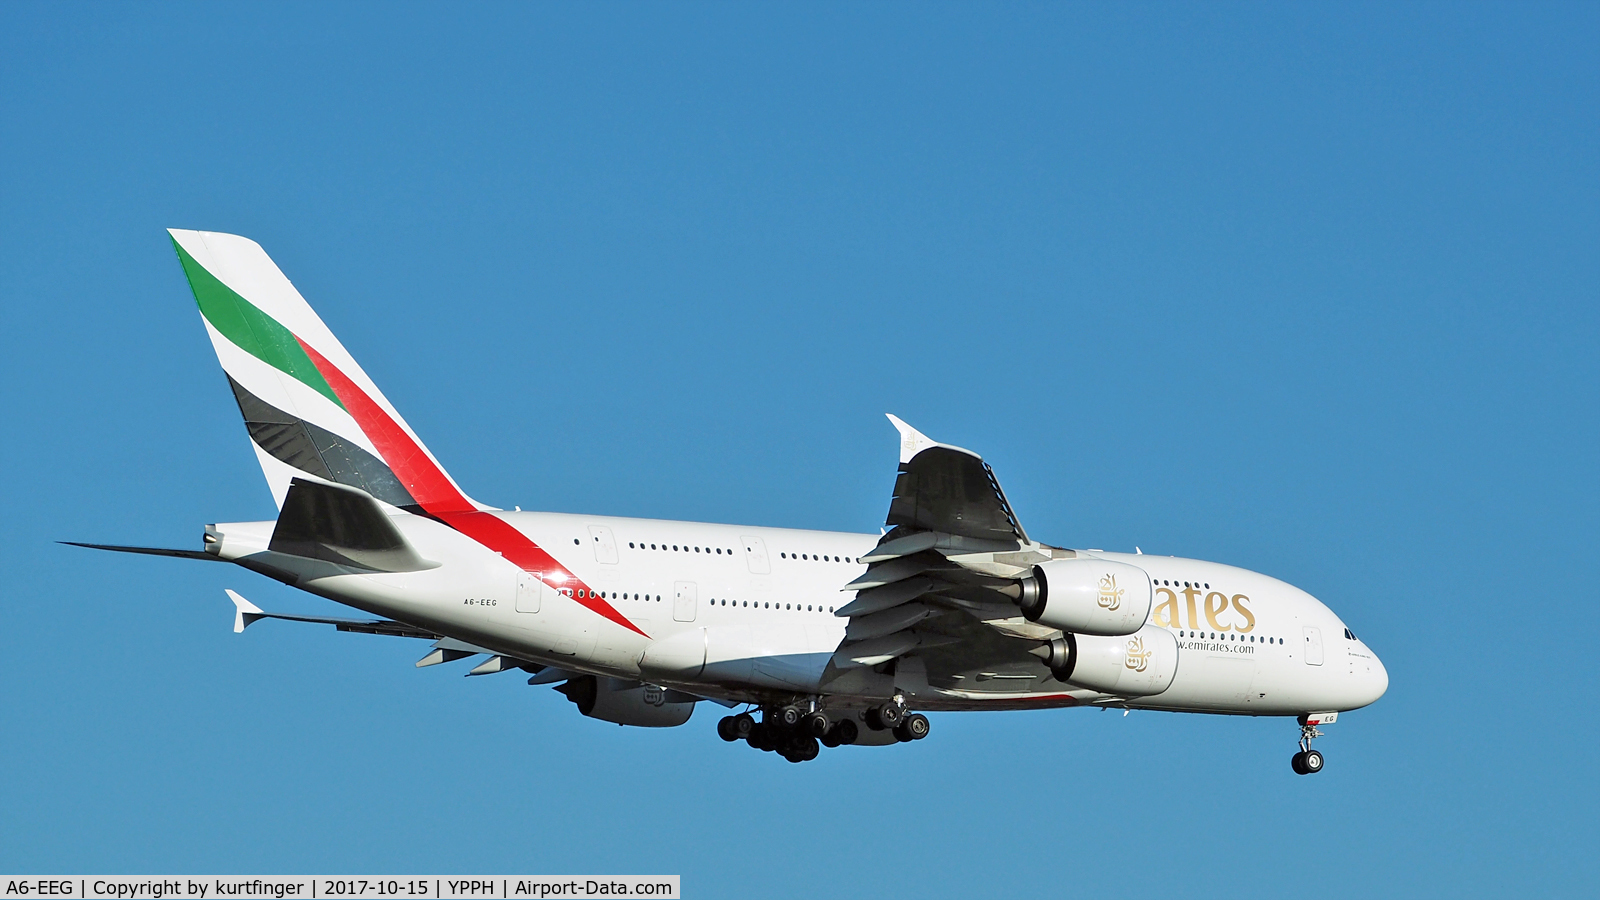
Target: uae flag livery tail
x=309 y=407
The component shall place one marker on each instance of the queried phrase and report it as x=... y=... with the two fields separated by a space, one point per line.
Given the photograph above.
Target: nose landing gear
x=1309 y=761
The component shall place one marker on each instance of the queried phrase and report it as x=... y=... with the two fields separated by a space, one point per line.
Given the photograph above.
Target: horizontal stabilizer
x=148 y=551
x=247 y=614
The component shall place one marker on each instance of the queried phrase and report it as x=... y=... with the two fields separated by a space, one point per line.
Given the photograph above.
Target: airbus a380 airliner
x=834 y=638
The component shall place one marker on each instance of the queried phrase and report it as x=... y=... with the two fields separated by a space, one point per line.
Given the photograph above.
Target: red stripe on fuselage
x=435 y=493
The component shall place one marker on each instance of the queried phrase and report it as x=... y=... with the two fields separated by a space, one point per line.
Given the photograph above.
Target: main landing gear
x=798 y=736
x=1309 y=761
x=892 y=716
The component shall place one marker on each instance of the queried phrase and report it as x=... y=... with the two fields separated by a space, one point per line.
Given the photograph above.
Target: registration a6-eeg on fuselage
x=830 y=638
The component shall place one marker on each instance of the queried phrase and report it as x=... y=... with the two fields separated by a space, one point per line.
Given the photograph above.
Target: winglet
x=913 y=441
x=244 y=613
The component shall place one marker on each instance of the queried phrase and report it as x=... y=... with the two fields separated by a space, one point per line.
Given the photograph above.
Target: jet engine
x=627 y=702
x=1133 y=665
x=1087 y=596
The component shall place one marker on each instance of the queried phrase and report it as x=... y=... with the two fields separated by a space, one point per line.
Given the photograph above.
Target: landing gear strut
x=1309 y=761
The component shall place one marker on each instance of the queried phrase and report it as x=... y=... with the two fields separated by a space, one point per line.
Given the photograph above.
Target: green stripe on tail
x=249 y=328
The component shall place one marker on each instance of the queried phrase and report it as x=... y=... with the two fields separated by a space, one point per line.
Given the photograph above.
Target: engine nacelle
x=1087 y=596
x=1133 y=665
x=626 y=702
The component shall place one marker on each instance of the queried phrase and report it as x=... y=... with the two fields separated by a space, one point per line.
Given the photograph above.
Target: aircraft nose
x=1377 y=681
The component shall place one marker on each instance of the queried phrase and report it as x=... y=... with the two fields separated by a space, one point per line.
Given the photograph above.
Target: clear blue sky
x=1307 y=289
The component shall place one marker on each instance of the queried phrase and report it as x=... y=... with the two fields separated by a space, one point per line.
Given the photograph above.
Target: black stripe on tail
x=318 y=451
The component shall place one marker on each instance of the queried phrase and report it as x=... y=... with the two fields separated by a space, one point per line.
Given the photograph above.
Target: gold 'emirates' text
x=1215 y=606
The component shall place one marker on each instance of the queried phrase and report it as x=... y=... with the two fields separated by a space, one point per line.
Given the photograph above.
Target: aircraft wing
x=941 y=586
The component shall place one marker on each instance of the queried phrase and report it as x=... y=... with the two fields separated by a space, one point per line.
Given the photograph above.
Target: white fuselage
x=759 y=604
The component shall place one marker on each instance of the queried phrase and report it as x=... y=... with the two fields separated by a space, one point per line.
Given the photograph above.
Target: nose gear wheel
x=1307 y=761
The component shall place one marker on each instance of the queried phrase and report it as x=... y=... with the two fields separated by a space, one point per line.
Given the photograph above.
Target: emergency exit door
x=755 y=555
x=684 y=600
x=528 y=589
x=605 y=546
x=1313 y=645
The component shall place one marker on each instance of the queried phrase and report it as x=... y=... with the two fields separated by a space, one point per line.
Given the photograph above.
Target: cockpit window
x=1350 y=635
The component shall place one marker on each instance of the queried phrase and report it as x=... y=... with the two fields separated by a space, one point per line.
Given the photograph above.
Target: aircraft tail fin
x=309 y=408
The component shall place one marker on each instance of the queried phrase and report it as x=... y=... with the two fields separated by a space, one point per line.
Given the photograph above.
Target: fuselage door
x=1313 y=645
x=605 y=546
x=528 y=589
x=684 y=600
x=755 y=554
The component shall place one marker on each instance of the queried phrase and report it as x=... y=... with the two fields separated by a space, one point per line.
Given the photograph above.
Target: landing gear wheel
x=1307 y=761
x=760 y=737
x=816 y=724
x=1311 y=762
x=725 y=729
x=788 y=717
x=872 y=720
x=917 y=725
x=743 y=724
x=902 y=735
x=890 y=714
x=845 y=732
x=800 y=748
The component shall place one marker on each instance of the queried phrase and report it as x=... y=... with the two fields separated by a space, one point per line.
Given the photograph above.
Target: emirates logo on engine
x=654 y=695
x=1110 y=595
x=1138 y=657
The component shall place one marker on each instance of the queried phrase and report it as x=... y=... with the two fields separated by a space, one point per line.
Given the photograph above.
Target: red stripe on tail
x=435 y=493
